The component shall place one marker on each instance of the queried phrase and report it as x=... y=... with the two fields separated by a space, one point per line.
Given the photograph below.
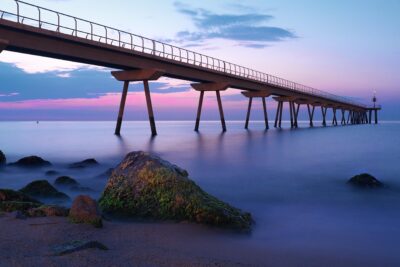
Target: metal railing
x=89 y=30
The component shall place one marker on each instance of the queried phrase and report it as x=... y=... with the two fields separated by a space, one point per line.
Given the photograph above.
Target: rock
x=10 y=206
x=31 y=162
x=18 y=215
x=77 y=245
x=144 y=185
x=3 y=159
x=11 y=201
x=365 y=180
x=84 y=164
x=105 y=174
x=51 y=173
x=11 y=195
x=43 y=189
x=66 y=181
x=48 y=211
x=84 y=209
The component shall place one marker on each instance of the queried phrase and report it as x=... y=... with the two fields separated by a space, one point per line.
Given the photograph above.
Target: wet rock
x=11 y=195
x=3 y=159
x=52 y=173
x=144 y=185
x=48 y=211
x=105 y=174
x=83 y=164
x=11 y=201
x=17 y=215
x=84 y=209
x=66 y=181
x=365 y=180
x=31 y=162
x=43 y=189
x=77 y=245
x=10 y=206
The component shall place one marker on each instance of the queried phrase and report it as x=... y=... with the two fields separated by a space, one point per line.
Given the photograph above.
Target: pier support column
x=323 y=109
x=217 y=87
x=343 y=121
x=250 y=96
x=281 y=100
x=128 y=76
x=311 y=114
x=376 y=116
x=334 y=120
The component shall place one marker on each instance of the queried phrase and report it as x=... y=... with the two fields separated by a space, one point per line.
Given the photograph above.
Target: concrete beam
x=256 y=94
x=138 y=75
x=214 y=86
x=285 y=98
x=3 y=45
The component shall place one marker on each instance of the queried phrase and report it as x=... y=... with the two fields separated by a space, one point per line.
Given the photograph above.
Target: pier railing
x=43 y=18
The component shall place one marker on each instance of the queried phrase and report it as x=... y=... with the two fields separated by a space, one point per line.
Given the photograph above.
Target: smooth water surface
x=292 y=181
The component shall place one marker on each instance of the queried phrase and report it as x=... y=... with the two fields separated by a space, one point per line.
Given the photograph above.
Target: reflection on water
x=293 y=181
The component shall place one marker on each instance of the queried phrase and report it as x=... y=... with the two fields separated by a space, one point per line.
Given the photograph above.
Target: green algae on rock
x=144 y=185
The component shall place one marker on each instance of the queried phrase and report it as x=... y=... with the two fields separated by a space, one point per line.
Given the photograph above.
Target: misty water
x=292 y=181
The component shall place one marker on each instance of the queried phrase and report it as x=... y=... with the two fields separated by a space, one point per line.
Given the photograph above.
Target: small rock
x=365 y=180
x=83 y=164
x=48 y=211
x=31 y=162
x=42 y=189
x=77 y=245
x=85 y=210
x=105 y=174
x=10 y=206
x=66 y=181
x=11 y=195
x=3 y=159
x=51 y=173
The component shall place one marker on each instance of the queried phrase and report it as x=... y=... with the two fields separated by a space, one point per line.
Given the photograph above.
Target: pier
x=138 y=58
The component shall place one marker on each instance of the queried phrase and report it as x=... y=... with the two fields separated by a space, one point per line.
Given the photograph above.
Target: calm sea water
x=292 y=181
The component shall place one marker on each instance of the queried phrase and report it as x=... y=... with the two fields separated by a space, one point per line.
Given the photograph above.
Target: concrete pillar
x=144 y=75
x=217 y=87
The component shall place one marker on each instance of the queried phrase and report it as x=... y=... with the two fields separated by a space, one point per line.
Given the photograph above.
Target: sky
x=345 y=47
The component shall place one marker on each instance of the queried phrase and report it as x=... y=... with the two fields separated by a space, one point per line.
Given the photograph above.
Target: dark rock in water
x=77 y=245
x=3 y=159
x=48 y=211
x=144 y=185
x=84 y=209
x=105 y=174
x=66 y=181
x=31 y=162
x=52 y=173
x=365 y=180
x=10 y=206
x=84 y=164
x=11 y=195
x=43 y=189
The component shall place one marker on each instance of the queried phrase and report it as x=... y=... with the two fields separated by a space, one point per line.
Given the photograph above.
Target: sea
x=292 y=181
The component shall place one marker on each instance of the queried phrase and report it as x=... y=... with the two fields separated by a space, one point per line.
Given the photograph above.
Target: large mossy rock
x=31 y=162
x=144 y=185
x=3 y=159
x=43 y=189
x=365 y=180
